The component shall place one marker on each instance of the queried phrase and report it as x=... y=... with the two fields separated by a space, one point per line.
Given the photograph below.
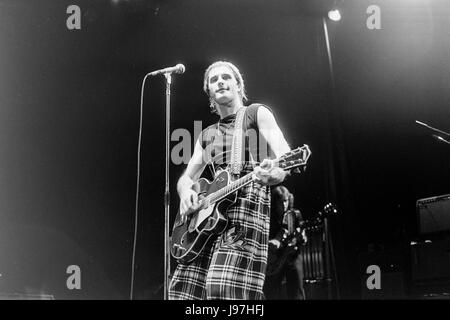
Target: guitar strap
x=236 y=144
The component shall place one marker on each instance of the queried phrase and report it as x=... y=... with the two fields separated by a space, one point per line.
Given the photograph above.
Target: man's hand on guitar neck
x=269 y=174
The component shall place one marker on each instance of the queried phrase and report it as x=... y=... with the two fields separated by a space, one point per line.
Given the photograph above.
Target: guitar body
x=277 y=258
x=287 y=251
x=191 y=233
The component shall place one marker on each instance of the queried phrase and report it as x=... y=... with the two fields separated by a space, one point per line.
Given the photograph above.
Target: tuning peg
x=330 y=208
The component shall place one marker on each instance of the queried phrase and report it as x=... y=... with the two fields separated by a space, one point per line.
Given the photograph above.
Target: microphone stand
x=437 y=137
x=179 y=68
x=168 y=77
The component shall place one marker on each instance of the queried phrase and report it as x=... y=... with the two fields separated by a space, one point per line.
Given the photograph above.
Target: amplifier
x=433 y=214
x=313 y=254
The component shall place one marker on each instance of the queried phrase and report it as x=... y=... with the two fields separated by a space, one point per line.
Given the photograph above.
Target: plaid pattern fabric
x=232 y=265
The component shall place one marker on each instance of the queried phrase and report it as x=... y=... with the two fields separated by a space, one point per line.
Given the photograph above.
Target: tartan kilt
x=233 y=264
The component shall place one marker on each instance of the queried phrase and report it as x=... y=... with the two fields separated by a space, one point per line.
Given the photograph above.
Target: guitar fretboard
x=290 y=160
x=232 y=187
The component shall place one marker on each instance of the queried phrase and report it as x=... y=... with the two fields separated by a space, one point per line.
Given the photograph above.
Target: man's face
x=223 y=86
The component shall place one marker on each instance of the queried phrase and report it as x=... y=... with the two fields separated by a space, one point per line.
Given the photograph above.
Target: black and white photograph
x=225 y=150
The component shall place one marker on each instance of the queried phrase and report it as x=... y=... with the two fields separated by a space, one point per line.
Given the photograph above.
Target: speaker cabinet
x=430 y=260
x=433 y=214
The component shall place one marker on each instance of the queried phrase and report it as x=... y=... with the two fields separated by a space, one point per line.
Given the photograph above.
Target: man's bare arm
x=271 y=132
x=188 y=197
x=269 y=129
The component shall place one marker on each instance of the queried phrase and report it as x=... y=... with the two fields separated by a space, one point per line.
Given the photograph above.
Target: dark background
x=69 y=121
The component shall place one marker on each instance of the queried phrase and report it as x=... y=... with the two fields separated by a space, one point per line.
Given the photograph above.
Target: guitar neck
x=232 y=187
x=289 y=160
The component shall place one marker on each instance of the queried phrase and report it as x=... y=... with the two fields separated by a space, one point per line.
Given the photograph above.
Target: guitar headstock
x=295 y=158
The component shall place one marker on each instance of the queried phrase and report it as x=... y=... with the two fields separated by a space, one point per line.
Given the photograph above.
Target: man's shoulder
x=253 y=108
x=256 y=106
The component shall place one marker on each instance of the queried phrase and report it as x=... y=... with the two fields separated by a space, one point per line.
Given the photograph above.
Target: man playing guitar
x=287 y=234
x=232 y=265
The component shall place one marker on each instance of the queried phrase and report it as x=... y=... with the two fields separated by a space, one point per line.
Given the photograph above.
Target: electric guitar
x=290 y=243
x=192 y=231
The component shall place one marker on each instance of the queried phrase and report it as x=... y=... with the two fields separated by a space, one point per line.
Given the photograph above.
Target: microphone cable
x=138 y=173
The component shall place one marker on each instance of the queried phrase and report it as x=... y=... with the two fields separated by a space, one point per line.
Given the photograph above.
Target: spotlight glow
x=334 y=15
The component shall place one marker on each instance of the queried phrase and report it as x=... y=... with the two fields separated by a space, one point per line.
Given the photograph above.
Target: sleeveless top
x=216 y=140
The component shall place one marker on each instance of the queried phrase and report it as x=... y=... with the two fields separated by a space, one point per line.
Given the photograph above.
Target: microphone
x=179 y=68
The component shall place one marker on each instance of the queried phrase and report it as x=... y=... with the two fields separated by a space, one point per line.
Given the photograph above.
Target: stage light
x=334 y=15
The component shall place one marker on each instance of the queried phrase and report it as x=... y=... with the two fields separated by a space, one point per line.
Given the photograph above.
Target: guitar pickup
x=179 y=248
